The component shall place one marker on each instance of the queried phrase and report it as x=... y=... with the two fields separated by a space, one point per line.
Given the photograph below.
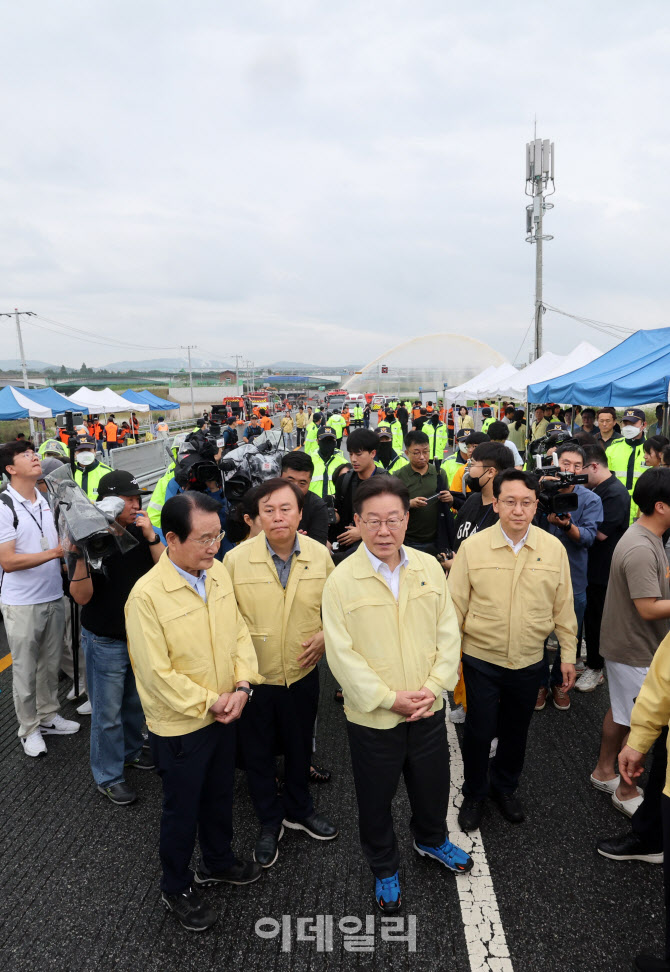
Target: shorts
x=625 y=682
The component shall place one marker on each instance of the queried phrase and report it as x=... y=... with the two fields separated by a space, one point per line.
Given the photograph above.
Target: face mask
x=384 y=450
x=463 y=447
x=327 y=448
x=85 y=458
x=630 y=432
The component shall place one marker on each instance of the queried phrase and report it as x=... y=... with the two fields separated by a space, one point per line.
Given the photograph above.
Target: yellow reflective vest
x=627 y=463
x=89 y=478
x=310 y=438
x=438 y=438
x=322 y=483
x=157 y=501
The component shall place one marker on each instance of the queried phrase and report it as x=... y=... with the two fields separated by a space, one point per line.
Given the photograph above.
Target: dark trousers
x=501 y=702
x=301 y=437
x=593 y=617
x=280 y=719
x=416 y=750
x=197 y=771
x=647 y=821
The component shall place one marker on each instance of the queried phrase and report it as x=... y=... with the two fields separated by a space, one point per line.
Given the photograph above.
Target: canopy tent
x=475 y=387
x=514 y=387
x=50 y=398
x=104 y=401
x=635 y=372
x=146 y=397
x=15 y=405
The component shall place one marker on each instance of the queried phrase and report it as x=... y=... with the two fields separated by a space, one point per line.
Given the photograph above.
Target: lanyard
x=484 y=518
x=38 y=525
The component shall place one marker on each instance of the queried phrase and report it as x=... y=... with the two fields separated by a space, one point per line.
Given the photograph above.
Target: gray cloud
x=291 y=180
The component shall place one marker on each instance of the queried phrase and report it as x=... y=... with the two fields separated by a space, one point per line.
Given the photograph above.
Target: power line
x=603 y=326
x=91 y=336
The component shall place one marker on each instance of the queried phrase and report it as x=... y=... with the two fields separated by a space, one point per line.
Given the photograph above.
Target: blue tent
x=635 y=372
x=146 y=397
x=47 y=403
x=52 y=399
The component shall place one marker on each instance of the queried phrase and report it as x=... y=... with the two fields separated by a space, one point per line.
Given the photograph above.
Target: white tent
x=514 y=388
x=476 y=387
x=582 y=355
x=104 y=401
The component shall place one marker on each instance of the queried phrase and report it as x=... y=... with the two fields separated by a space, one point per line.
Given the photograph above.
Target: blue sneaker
x=387 y=893
x=448 y=854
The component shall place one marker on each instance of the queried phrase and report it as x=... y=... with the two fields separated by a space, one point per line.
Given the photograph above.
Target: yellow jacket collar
x=259 y=553
x=498 y=540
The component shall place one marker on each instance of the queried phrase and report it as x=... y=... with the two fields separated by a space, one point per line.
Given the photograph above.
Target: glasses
x=393 y=523
x=29 y=454
x=210 y=541
x=511 y=504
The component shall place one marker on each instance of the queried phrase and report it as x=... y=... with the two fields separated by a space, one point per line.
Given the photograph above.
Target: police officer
x=387 y=457
x=437 y=434
x=311 y=431
x=395 y=428
x=326 y=460
x=487 y=417
x=626 y=455
x=89 y=470
x=357 y=417
x=338 y=423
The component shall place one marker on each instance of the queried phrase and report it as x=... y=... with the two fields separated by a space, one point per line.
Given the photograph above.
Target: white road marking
x=484 y=933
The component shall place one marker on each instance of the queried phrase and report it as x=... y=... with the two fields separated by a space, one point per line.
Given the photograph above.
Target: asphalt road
x=79 y=877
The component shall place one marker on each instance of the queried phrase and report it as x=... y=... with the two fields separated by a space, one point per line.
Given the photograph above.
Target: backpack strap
x=9 y=503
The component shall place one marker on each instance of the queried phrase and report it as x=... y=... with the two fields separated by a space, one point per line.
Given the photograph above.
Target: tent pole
x=666 y=420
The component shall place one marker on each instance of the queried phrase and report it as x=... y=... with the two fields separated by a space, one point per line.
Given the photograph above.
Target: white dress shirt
x=197 y=583
x=516 y=547
x=392 y=577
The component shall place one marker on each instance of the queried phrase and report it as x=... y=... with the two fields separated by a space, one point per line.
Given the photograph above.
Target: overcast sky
x=316 y=181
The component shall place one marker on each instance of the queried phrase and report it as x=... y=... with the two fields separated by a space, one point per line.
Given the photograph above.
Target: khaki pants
x=35 y=637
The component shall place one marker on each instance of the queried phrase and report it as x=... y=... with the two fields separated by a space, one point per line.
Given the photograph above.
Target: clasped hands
x=414 y=705
x=229 y=705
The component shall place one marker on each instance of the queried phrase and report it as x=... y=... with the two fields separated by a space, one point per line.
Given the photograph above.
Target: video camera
x=83 y=524
x=551 y=500
x=196 y=462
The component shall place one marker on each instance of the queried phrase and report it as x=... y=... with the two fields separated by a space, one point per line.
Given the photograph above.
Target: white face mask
x=630 y=432
x=463 y=447
x=85 y=458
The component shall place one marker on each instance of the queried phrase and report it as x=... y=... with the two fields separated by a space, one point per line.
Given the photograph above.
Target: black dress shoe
x=471 y=813
x=190 y=909
x=120 y=794
x=266 y=850
x=241 y=872
x=647 y=963
x=628 y=847
x=144 y=761
x=510 y=806
x=316 y=826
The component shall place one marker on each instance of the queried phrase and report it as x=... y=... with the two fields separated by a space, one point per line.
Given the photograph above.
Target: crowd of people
x=521 y=564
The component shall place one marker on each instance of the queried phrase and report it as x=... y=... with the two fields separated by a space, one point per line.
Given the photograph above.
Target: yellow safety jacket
x=157 y=501
x=89 y=478
x=627 y=463
x=310 y=438
x=438 y=438
x=322 y=483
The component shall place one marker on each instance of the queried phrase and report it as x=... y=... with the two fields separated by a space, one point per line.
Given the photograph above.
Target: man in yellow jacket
x=278 y=579
x=194 y=661
x=511 y=588
x=393 y=645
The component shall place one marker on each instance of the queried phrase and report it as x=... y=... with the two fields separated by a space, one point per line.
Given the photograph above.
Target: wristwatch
x=156 y=539
x=249 y=691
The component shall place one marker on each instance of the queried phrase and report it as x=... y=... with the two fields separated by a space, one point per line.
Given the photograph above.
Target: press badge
x=44 y=543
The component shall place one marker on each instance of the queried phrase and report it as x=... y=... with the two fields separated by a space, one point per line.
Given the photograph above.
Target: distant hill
x=167 y=364
x=13 y=364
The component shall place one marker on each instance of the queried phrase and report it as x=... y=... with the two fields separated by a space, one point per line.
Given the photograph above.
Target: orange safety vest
x=111 y=431
x=162 y=427
x=266 y=422
x=95 y=429
x=135 y=424
x=416 y=412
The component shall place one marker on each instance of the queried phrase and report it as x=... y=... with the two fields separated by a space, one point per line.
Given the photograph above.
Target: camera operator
x=198 y=471
x=576 y=530
x=117 y=718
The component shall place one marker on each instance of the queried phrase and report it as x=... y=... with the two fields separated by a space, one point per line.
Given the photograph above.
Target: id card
x=44 y=543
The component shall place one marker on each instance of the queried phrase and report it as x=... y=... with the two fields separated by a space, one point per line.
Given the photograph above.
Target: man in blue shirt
x=576 y=531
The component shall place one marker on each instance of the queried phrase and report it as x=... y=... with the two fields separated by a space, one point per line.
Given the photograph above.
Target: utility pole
x=238 y=358
x=188 y=348
x=539 y=176
x=24 y=367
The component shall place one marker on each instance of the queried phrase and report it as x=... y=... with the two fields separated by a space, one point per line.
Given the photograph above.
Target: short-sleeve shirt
x=639 y=569
x=37 y=585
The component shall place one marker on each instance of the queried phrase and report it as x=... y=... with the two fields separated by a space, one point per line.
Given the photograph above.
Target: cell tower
x=539 y=185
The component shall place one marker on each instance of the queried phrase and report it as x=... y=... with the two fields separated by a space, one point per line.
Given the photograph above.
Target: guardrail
x=147 y=461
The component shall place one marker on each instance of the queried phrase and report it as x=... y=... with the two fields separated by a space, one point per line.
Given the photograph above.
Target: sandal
x=319 y=775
